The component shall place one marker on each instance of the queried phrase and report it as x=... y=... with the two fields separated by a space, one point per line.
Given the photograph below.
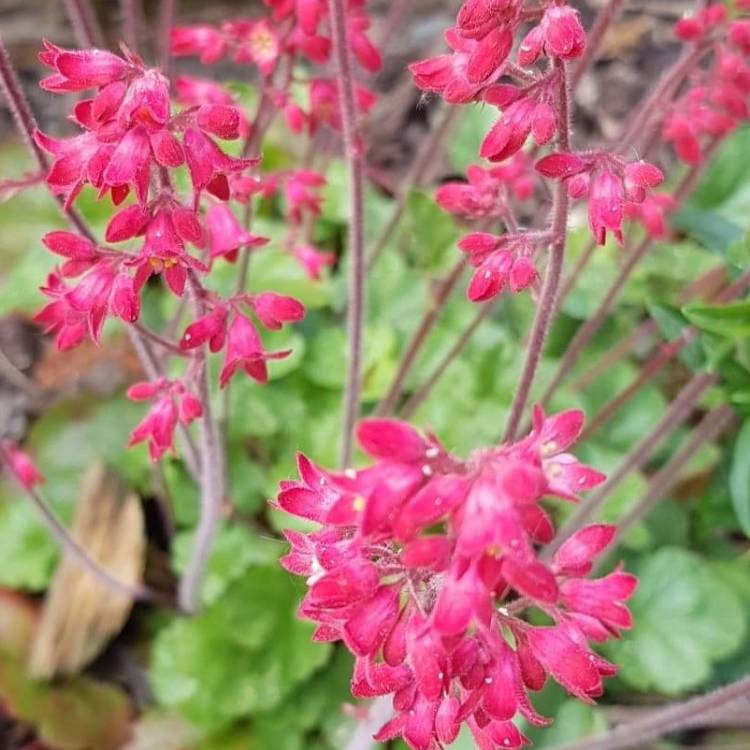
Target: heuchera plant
x=425 y=564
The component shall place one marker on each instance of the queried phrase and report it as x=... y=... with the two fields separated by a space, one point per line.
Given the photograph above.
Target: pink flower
x=313 y=260
x=273 y=310
x=211 y=328
x=652 y=213
x=204 y=41
x=500 y=261
x=564 y=36
x=413 y=562
x=81 y=252
x=245 y=350
x=164 y=253
x=477 y=18
x=520 y=118
x=462 y=76
x=486 y=191
x=21 y=464
x=324 y=103
x=173 y=404
x=301 y=192
x=76 y=70
x=225 y=234
x=209 y=166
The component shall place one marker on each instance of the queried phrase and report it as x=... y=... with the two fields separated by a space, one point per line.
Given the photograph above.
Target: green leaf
x=707 y=228
x=739 y=477
x=468 y=137
x=243 y=654
x=429 y=233
x=235 y=550
x=676 y=640
x=672 y=324
x=28 y=553
x=731 y=320
x=726 y=173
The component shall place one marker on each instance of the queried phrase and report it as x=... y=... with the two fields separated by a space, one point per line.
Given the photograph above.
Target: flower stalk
x=353 y=152
x=547 y=305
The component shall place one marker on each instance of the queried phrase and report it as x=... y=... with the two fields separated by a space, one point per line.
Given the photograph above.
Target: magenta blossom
x=423 y=564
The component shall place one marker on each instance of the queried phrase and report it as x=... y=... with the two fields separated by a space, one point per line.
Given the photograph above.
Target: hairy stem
x=595 y=37
x=420 y=395
x=548 y=301
x=682 y=715
x=85 y=23
x=212 y=480
x=680 y=409
x=71 y=547
x=132 y=23
x=667 y=477
x=26 y=126
x=578 y=268
x=428 y=322
x=167 y=14
x=356 y=249
x=656 y=364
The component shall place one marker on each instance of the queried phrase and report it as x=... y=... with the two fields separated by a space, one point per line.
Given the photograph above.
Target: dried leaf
x=80 y=614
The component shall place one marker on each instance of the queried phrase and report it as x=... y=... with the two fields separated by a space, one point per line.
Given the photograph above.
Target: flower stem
x=666 y=354
x=548 y=301
x=420 y=395
x=666 y=478
x=356 y=244
x=70 y=546
x=132 y=23
x=595 y=37
x=85 y=24
x=680 y=409
x=672 y=718
x=428 y=322
x=212 y=483
x=167 y=14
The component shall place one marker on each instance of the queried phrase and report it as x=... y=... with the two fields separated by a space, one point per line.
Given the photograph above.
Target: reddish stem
x=167 y=14
x=71 y=547
x=667 y=477
x=132 y=23
x=355 y=164
x=548 y=301
x=671 y=718
x=428 y=322
x=678 y=412
x=212 y=480
x=420 y=395
x=85 y=23
x=595 y=37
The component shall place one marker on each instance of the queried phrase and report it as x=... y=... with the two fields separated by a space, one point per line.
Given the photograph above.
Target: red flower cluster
x=609 y=182
x=487 y=192
x=424 y=564
x=716 y=103
x=131 y=141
